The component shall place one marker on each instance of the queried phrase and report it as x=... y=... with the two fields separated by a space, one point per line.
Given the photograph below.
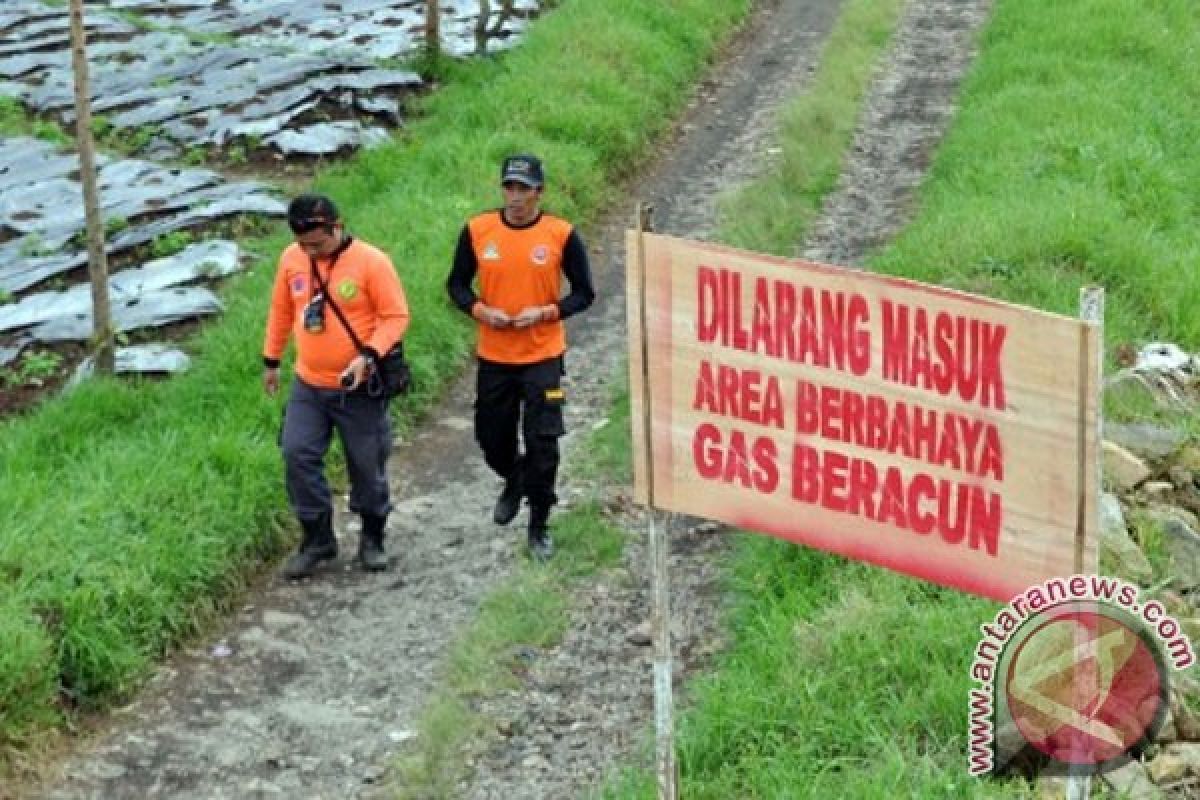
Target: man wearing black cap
x=517 y=256
x=322 y=267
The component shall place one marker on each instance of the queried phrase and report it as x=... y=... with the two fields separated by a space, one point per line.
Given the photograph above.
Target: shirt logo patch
x=540 y=254
x=347 y=289
x=491 y=252
x=299 y=284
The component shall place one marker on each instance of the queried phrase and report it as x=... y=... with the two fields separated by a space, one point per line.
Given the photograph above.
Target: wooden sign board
x=944 y=435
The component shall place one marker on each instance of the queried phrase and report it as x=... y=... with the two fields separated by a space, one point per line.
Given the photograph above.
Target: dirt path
x=312 y=689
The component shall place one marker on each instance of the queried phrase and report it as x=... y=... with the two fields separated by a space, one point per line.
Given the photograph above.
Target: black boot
x=319 y=545
x=509 y=501
x=370 y=544
x=541 y=546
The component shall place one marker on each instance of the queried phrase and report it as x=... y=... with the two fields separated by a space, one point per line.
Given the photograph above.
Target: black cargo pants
x=529 y=396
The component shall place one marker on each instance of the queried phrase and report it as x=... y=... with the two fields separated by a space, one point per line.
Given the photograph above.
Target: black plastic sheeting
x=42 y=228
x=208 y=260
x=295 y=67
x=378 y=29
x=152 y=295
x=142 y=358
x=147 y=310
x=42 y=223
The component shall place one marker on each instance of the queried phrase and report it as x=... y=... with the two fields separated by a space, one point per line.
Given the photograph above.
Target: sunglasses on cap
x=308 y=224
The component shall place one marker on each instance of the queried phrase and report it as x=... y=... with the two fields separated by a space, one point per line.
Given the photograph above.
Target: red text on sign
x=744 y=394
x=951 y=353
x=788 y=321
x=732 y=457
x=958 y=513
x=946 y=439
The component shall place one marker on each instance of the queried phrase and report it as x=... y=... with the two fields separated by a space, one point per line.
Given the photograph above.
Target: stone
x=1189 y=457
x=1177 y=761
x=1123 y=470
x=1187 y=722
x=1167 y=767
x=1119 y=554
x=641 y=636
x=260 y=788
x=1145 y=440
x=1183 y=544
x=1050 y=787
x=276 y=621
x=262 y=642
x=1180 y=476
x=107 y=770
x=1131 y=782
x=1157 y=489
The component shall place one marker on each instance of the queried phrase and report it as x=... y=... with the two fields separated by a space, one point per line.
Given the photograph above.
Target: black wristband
x=270 y=363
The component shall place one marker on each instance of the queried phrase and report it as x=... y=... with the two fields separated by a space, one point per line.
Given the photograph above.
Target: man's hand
x=354 y=373
x=492 y=317
x=271 y=380
x=532 y=315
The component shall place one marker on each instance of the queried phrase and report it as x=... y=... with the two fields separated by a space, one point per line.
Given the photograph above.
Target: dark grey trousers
x=363 y=426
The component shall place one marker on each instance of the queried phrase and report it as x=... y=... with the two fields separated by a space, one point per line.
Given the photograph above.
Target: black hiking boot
x=319 y=545
x=370 y=544
x=541 y=546
x=509 y=501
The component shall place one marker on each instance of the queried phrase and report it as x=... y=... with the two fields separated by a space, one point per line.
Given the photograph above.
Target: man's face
x=320 y=242
x=521 y=202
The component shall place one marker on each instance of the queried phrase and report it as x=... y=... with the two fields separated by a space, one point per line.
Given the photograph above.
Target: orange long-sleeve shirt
x=366 y=288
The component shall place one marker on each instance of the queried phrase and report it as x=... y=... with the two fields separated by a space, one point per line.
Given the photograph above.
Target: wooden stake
x=1091 y=313
x=664 y=723
x=433 y=29
x=103 y=340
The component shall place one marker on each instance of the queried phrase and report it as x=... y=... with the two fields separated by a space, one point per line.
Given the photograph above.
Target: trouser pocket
x=548 y=413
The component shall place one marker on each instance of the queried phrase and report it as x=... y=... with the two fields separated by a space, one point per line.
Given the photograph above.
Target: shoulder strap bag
x=389 y=375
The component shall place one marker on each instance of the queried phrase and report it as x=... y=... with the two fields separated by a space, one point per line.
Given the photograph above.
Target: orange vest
x=518 y=268
x=366 y=288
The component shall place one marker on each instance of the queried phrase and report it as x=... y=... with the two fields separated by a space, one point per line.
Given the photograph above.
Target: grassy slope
x=1090 y=172
x=1071 y=161
x=133 y=510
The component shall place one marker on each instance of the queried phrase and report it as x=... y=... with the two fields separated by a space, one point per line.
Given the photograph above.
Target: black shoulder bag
x=390 y=375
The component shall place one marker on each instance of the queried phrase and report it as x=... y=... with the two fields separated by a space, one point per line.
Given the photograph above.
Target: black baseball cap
x=524 y=169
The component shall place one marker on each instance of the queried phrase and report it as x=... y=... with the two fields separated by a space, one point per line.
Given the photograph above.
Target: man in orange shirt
x=331 y=390
x=518 y=256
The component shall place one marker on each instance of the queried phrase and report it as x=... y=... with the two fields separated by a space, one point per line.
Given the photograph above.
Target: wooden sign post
x=1091 y=312
x=658 y=538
